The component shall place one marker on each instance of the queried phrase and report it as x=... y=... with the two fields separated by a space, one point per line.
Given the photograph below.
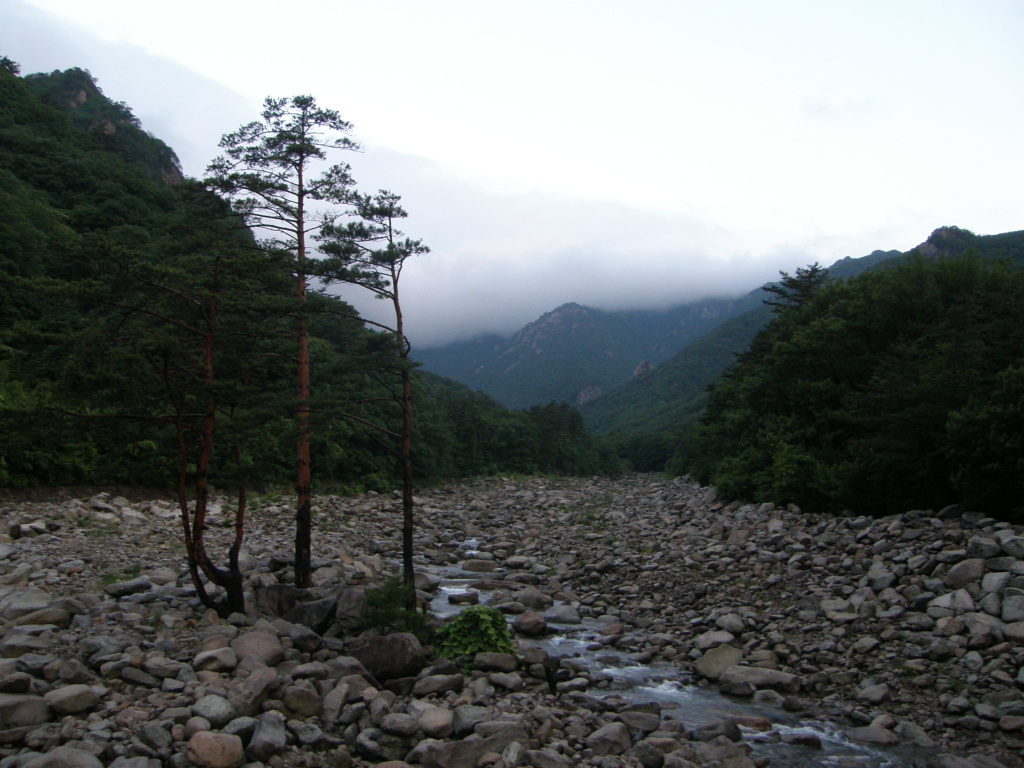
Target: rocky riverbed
x=906 y=631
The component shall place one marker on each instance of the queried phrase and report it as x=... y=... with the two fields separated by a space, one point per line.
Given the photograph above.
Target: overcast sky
x=616 y=154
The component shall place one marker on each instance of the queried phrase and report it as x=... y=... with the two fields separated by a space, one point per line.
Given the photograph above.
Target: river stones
x=845 y=605
x=530 y=624
x=716 y=660
x=610 y=739
x=739 y=678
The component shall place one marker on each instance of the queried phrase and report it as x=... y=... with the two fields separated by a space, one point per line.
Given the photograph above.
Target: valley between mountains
x=904 y=632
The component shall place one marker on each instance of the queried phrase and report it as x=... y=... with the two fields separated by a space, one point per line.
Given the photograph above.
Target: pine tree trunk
x=303 y=510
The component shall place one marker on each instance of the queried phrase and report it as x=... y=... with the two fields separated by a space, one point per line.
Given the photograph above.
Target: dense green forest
x=900 y=388
x=136 y=311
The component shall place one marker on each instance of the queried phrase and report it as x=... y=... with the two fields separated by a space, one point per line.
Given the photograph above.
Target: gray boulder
x=391 y=656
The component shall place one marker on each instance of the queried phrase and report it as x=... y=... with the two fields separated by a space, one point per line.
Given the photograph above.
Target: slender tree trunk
x=191 y=556
x=303 y=511
x=408 y=520
x=195 y=543
x=236 y=595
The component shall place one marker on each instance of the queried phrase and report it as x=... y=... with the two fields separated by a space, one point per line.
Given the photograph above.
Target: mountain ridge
x=575 y=352
x=674 y=394
x=581 y=355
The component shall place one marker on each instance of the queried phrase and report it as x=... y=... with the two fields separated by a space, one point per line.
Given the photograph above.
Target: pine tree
x=372 y=252
x=796 y=290
x=268 y=172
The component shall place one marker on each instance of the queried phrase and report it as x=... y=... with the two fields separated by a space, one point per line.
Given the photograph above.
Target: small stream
x=616 y=674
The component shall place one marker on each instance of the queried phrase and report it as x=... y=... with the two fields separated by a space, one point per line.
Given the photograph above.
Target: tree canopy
x=88 y=233
x=878 y=393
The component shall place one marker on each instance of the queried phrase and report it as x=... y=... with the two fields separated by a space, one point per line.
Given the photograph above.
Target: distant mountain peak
x=945 y=240
x=568 y=319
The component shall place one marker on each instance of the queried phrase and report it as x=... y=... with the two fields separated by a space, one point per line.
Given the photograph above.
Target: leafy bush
x=476 y=630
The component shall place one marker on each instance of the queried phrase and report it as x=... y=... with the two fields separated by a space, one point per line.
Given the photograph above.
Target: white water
x=617 y=675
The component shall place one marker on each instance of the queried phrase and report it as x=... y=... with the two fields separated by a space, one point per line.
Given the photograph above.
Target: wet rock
x=530 y=624
x=738 y=676
x=562 y=614
x=644 y=722
x=725 y=751
x=495 y=662
x=479 y=566
x=716 y=660
x=873 y=734
x=533 y=599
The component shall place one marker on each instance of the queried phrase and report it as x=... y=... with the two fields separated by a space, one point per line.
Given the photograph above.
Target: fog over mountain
x=618 y=157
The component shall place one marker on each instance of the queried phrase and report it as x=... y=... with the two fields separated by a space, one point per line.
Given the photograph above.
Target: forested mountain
x=901 y=388
x=675 y=392
x=576 y=353
x=137 y=310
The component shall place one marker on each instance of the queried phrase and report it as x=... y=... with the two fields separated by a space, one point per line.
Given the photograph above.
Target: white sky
x=611 y=153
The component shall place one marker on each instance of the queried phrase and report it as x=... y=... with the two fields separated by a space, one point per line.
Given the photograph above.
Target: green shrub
x=476 y=630
x=385 y=609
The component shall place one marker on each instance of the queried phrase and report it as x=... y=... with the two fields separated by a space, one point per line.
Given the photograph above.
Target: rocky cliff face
x=946 y=240
x=76 y=92
x=568 y=319
x=643 y=369
x=587 y=395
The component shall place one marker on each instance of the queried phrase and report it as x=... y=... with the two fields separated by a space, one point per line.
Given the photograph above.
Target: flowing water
x=617 y=674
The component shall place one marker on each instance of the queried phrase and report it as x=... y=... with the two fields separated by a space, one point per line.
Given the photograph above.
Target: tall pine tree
x=268 y=171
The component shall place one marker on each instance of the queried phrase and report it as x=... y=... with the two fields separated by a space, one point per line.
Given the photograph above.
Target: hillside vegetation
x=675 y=393
x=901 y=388
x=135 y=308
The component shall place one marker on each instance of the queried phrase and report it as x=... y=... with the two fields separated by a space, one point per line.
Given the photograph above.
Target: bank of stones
x=905 y=630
